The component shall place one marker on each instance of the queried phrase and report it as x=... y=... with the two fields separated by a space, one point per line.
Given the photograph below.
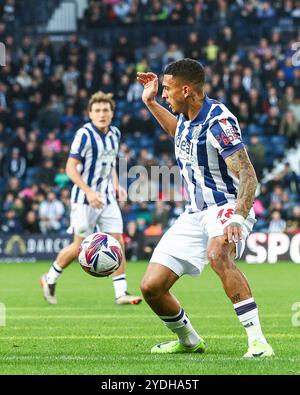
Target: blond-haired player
x=91 y=167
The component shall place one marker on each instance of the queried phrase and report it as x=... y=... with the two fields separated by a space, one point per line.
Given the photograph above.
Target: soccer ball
x=100 y=254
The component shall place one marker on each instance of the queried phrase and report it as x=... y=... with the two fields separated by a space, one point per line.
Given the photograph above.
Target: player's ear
x=186 y=90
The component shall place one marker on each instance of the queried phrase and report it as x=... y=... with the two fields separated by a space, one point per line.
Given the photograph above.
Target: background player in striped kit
x=91 y=167
x=221 y=183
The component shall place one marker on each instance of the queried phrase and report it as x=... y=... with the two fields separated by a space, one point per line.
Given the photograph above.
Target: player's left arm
x=120 y=191
x=241 y=167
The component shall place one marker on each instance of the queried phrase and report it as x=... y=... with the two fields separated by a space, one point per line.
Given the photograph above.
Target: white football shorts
x=84 y=219
x=183 y=248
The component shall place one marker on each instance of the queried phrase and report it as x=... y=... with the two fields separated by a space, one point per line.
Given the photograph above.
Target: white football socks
x=181 y=325
x=120 y=285
x=247 y=313
x=54 y=273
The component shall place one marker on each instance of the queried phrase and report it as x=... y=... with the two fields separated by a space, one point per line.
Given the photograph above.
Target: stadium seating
x=46 y=75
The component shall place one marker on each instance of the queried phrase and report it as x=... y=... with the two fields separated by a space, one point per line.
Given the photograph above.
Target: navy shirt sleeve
x=79 y=145
x=225 y=136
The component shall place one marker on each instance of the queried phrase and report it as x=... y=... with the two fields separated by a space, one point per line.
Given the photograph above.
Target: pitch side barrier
x=260 y=248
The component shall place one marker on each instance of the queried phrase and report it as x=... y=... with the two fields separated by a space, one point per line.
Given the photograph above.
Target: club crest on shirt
x=196 y=132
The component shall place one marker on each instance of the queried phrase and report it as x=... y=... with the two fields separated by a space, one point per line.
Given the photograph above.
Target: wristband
x=236 y=218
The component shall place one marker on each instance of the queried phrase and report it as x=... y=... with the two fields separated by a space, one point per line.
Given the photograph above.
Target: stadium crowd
x=44 y=89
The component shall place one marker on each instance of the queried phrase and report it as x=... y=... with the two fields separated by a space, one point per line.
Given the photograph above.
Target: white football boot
x=48 y=290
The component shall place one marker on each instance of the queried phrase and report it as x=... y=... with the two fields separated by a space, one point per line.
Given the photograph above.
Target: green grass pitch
x=86 y=333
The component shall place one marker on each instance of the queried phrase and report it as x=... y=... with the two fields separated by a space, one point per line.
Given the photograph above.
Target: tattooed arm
x=240 y=166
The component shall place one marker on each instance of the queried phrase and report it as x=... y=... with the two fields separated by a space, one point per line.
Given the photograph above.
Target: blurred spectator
x=63 y=155
x=70 y=80
x=65 y=198
x=48 y=119
x=142 y=65
x=276 y=196
x=20 y=120
x=228 y=41
x=294 y=106
x=81 y=102
x=255 y=105
x=271 y=124
x=144 y=158
x=31 y=224
x=293 y=223
x=172 y=54
x=277 y=224
x=121 y=9
x=29 y=193
x=122 y=49
x=290 y=128
x=33 y=159
x=193 y=46
x=46 y=173
x=287 y=98
x=61 y=179
x=13 y=186
x=143 y=123
x=50 y=214
x=157 y=13
x=133 y=241
x=179 y=13
x=8 y=202
x=53 y=142
x=94 y=15
x=19 y=208
x=2 y=156
x=163 y=145
x=256 y=151
x=155 y=51
x=47 y=47
x=16 y=165
x=24 y=79
x=211 y=51
x=9 y=12
x=265 y=10
x=134 y=92
x=133 y=16
x=121 y=91
x=19 y=141
x=72 y=46
x=11 y=223
x=264 y=196
x=160 y=214
x=290 y=180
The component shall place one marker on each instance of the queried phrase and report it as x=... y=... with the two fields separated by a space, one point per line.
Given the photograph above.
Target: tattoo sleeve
x=240 y=166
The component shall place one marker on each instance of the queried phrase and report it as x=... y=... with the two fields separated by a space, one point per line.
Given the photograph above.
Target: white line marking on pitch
x=100 y=337
x=120 y=316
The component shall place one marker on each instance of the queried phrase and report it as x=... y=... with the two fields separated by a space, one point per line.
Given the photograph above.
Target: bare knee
x=149 y=289
x=157 y=281
x=220 y=256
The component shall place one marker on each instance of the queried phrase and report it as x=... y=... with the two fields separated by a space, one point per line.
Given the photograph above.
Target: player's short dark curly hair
x=188 y=70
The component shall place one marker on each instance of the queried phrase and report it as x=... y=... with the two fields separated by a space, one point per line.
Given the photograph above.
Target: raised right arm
x=167 y=120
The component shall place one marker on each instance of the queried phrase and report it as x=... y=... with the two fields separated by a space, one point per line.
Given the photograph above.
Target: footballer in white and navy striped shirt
x=221 y=183
x=91 y=167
